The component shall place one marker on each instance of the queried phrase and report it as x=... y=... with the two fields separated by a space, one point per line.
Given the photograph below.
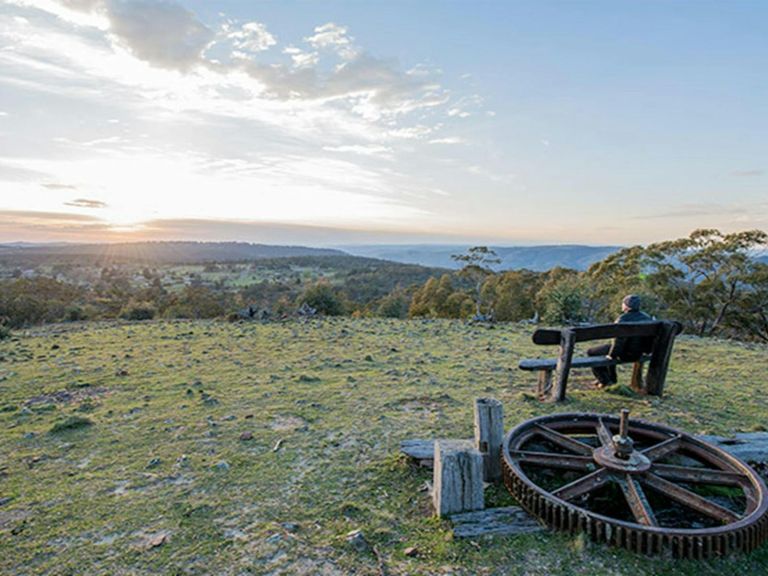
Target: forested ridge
x=712 y=282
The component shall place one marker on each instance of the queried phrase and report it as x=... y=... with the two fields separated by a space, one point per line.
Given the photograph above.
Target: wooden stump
x=489 y=433
x=458 y=478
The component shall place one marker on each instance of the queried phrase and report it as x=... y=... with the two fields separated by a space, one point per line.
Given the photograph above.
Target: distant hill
x=538 y=258
x=159 y=252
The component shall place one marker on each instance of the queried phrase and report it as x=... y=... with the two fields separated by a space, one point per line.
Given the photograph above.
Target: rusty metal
x=683 y=496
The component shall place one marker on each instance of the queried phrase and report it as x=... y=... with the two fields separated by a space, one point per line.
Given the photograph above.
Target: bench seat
x=588 y=362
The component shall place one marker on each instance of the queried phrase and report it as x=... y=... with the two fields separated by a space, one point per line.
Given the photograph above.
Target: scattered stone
x=356 y=539
x=154 y=463
x=273 y=539
x=246 y=436
x=157 y=541
x=182 y=461
x=411 y=551
x=29 y=435
x=229 y=418
x=222 y=466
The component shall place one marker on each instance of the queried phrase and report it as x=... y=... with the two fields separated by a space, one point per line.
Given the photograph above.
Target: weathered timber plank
x=552 y=336
x=421 y=448
x=747 y=446
x=585 y=362
x=458 y=478
x=494 y=521
x=489 y=432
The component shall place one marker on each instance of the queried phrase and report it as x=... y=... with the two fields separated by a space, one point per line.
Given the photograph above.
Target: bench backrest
x=554 y=336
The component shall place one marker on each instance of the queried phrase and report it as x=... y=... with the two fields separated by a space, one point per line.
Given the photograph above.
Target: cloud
x=363 y=150
x=59 y=186
x=162 y=33
x=447 y=140
x=747 y=173
x=331 y=36
x=86 y=203
x=251 y=36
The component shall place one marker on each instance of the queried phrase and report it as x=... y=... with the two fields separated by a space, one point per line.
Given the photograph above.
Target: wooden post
x=545 y=384
x=662 y=351
x=458 y=478
x=489 y=432
x=637 y=377
x=567 y=344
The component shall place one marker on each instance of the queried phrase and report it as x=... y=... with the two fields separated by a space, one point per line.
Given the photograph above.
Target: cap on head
x=632 y=301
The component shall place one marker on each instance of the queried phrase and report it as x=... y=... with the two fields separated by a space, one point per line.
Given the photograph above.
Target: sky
x=513 y=123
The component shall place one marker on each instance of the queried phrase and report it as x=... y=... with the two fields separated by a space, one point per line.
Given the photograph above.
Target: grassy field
x=214 y=448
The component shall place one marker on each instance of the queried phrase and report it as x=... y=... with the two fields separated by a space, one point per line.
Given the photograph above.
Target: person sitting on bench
x=628 y=349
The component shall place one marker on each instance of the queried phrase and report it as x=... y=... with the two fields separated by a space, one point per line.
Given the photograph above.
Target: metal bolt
x=624 y=423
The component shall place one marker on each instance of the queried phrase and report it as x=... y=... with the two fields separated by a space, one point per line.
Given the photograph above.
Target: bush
x=5 y=332
x=138 y=311
x=323 y=298
x=70 y=424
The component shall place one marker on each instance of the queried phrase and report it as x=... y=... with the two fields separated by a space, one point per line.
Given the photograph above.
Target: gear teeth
x=709 y=543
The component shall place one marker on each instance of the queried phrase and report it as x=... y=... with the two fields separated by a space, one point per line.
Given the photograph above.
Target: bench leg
x=544 y=384
x=637 y=378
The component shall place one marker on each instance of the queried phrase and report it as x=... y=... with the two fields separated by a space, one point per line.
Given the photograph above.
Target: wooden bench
x=661 y=337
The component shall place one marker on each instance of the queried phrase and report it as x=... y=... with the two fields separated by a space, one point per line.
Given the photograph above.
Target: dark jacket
x=634 y=347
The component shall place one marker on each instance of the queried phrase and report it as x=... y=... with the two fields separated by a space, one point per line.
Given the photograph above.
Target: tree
x=702 y=278
x=323 y=298
x=563 y=299
x=477 y=263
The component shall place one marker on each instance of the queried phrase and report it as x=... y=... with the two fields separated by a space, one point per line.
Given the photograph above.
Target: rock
x=368 y=358
x=121 y=372
x=273 y=539
x=246 y=436
x=358 y=541
x=290 y=526
x=248 y=416
x=229 y=418
x=222 y=466
x=154 y=463
x=411 y=551
x=157 y=541
x=4 y=501
x=29 y=435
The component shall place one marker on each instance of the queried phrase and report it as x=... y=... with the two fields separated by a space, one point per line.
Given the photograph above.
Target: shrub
x=70 y=424
x=323 y=298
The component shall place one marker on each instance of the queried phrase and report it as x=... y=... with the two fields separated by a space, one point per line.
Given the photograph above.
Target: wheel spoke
x=637 y=501
x=564 y=441
x=583 y=485
x=658 y=451
x=699 y=475
x=606 y=438
x=690 y=499
x=550 y=460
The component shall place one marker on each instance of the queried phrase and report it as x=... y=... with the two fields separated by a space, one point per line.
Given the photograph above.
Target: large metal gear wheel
x=641 y=486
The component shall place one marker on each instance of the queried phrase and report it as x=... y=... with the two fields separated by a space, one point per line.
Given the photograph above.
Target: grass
x=220 y=448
